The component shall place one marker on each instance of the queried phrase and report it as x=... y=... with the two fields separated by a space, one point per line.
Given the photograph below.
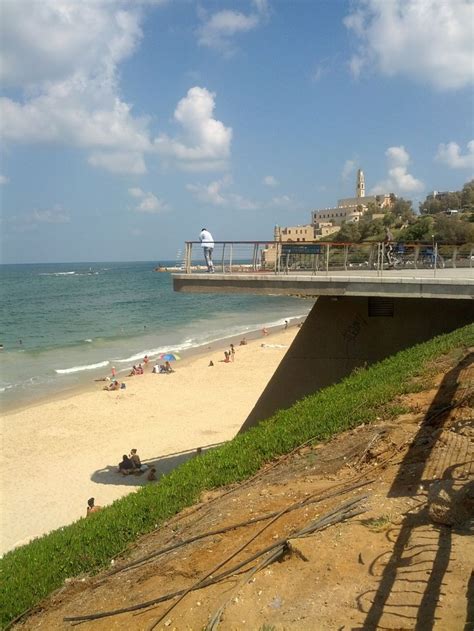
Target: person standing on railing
x=207 y=243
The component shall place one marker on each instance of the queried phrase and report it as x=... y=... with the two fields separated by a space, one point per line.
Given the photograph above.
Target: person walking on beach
x=207 y=244
x=232 y=352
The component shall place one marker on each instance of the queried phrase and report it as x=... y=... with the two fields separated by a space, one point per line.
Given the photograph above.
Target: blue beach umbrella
x=169 y=357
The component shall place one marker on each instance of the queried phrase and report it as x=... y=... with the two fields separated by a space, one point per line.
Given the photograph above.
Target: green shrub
x=33 y=571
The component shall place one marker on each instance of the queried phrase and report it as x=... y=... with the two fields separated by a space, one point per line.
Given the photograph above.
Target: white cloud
x=149 y=203
x=399 y=181
x=429 y=41
x=211 y=193
x=64 y=55
x=54 y=215
x=271 y=181
x=397 y=156
x=451 y=155
x=218 y=30
x=4 y=180
x=215 y=193
x=205 y=142
x=136 y=192
x=51 y=40
x=243 y=203
x=31 y=221
x=119 y=161
x=282 y=201
x=348 y=169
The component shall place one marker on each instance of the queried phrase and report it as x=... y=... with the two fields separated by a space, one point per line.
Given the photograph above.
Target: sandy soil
x=399 y=565
x=59 y=453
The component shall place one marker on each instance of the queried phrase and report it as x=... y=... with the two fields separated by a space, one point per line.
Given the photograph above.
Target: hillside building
x=327 y=221
x=351 y=209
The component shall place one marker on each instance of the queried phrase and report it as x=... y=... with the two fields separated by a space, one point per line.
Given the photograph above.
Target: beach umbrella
x=169 y=357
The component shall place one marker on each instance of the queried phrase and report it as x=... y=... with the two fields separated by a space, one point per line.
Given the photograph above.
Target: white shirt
x=206 y=239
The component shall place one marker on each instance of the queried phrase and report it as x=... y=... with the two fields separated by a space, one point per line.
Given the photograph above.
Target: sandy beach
x=61 y=452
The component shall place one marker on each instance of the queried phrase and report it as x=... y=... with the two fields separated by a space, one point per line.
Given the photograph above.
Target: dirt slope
x=405 y=563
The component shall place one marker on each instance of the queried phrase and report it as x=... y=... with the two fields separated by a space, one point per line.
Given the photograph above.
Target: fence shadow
x=417 y=532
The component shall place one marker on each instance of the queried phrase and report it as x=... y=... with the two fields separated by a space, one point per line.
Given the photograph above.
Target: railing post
x=230 y=257
x=327 y=258
x=455 y=254
x=187 y=264
x=346 y=254
x=223 y=258
x=435 y=265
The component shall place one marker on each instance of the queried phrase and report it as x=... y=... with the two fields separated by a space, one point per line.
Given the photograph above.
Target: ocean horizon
x=63 y=325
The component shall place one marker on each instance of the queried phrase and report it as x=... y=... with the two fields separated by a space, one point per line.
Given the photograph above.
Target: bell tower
x=360 y=189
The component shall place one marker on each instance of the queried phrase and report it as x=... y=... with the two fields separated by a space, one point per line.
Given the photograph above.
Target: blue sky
x=128 y=125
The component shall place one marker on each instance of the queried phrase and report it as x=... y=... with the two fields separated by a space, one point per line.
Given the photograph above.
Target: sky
x=128 y=125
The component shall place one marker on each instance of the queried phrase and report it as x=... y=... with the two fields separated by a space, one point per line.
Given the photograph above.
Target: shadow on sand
x=163 y=465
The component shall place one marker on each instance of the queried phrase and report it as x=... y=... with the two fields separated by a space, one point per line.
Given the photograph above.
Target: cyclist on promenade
x=388 y=241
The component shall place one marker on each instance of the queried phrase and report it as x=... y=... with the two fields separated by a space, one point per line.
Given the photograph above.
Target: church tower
x=360 y=190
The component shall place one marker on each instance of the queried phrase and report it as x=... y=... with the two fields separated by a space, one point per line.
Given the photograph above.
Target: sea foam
x=66 y=371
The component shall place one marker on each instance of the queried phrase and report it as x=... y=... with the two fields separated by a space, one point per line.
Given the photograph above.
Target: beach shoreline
x=69 y=446
x=88 y=382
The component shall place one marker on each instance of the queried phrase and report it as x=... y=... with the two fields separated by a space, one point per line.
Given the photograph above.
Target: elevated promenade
x=456 y=284
x=364 y=310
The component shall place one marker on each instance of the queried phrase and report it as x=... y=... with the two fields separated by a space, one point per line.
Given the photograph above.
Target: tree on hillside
x=453 y=230
x=467 y=196
x=421 y=229
x=402 y=210
x=369 y=229
x=348 y=233
x=436 y=205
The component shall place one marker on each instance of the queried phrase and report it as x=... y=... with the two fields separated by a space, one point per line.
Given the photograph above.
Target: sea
x=63 y=325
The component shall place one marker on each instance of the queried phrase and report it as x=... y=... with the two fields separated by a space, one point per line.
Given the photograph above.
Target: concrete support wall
x=343 y=333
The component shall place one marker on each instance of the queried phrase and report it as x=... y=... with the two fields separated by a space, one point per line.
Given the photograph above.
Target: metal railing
x=277 y=257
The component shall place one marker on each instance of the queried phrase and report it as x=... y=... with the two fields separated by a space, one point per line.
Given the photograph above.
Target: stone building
x=351 y=209
x=327 y=221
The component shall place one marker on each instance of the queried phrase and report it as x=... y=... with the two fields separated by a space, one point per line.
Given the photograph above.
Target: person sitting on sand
x=135 y=458
x=126 y=466
x=226 y=357
x=211 y=363
x=91 y=507
x=139 y=369
x=151 y=477
x=168 y=368
x=243 y=342
x=115 y=385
